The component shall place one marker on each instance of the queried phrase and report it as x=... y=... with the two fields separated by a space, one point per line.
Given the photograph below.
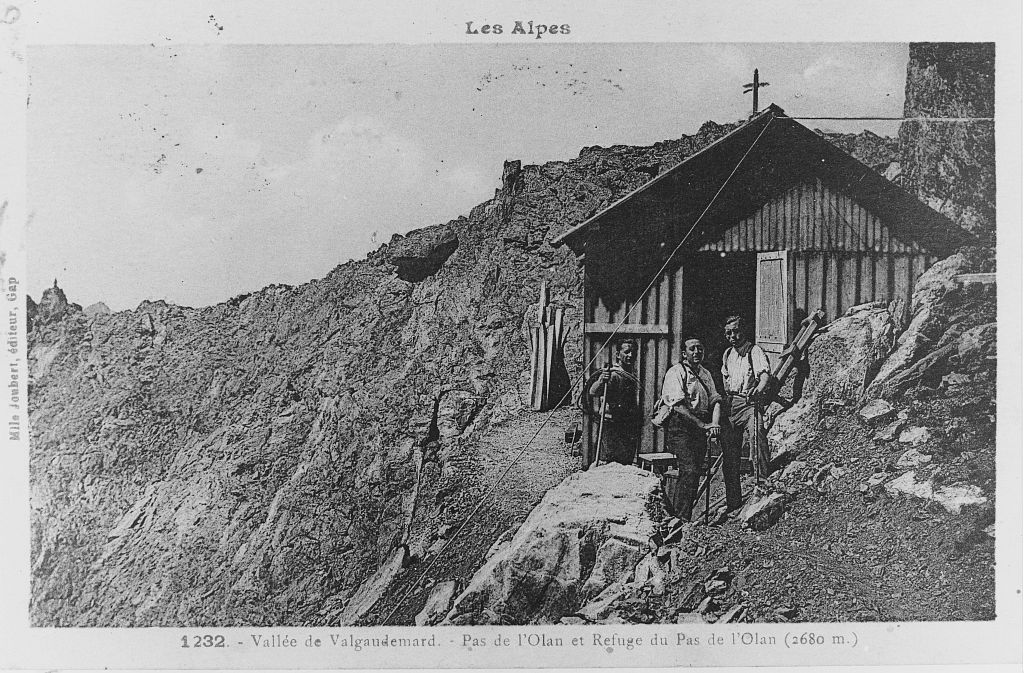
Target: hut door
x=772 y=313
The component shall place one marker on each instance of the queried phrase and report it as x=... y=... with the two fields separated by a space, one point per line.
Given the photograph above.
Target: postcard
x=499 y=335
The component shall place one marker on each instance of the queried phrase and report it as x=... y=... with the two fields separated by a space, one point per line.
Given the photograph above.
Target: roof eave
x=565 y=238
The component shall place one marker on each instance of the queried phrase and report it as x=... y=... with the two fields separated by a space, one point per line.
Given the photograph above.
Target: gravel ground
x=545 y=461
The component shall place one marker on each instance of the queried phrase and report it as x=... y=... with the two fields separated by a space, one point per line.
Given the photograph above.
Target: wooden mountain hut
x=771 y=222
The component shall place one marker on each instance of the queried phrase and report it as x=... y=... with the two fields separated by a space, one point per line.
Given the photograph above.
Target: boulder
x=422 y=253
x=913 y=458
x=762 y=513
x=927 y=370
x=651 y=572
x=877 y=411
x=615 y=562
x=954 y=381
x=953 y=498
x=540 y=576
x=977 y=342
x=926 y=323
x=915 y=436
x=601 y=606
x=877 y=479
x=793 y=470
x=842 y=359
x=438 y=603
x=891 y=431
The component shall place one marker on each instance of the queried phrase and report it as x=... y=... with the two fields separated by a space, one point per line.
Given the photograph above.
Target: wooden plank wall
x=834 y=281
x=656 y=354
x=840 y=256
x=811 y=216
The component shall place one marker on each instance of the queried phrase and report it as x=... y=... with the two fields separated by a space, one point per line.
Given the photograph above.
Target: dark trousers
x=689 y=444
x=619 y=441
x=744 y=427
x=731 y=472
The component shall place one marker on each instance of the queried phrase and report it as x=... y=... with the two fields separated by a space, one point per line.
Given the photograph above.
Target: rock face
x=421 y=253
x=843 y=359
x=258 y=461
x=951 y=165
x=438 y=603
x=267 y=448
x=587 y=533
x=51 y=307
x=93 y=310
x=942 y=315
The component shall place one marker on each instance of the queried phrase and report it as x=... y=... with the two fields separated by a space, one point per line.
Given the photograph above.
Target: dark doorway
x=718 y=284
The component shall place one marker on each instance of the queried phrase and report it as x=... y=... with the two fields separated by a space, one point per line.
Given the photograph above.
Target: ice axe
x=712 y=467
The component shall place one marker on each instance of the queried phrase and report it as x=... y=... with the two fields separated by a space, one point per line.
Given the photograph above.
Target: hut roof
x=765 y=155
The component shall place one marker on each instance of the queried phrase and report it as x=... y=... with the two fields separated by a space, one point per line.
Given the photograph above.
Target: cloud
x=825 y=65
x=731 y=58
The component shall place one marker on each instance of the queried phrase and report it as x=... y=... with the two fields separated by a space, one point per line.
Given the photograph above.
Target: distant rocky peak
x=52 y=306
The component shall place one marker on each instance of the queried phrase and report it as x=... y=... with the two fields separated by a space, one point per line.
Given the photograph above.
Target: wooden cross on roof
x=753 y=87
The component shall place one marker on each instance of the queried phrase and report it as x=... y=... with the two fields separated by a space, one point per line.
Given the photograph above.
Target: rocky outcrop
x=586 y=534
x=942 y=313
x=951 y=165
x=52 y=306
x=268 y=448
x=420 y=254
x=259 y=461
x=97 y=309
x=871 y=149
x=843 y=359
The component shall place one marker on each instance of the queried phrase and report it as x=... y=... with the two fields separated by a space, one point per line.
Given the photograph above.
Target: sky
x=196 y=173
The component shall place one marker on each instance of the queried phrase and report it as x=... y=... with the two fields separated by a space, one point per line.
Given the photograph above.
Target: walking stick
x=755 y=450
x=705 y=488
x=600 y=424
x=707 y=491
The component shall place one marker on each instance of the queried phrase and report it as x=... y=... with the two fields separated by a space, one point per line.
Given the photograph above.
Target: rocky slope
x=881 y=507
x=254 y=461
x=258 y=461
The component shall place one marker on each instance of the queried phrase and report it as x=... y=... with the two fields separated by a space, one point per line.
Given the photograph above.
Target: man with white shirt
x=746 y=374
x=689 y=390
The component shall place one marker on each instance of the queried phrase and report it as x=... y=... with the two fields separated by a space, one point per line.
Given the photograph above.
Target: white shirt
x=737 y=373
x=683 y=384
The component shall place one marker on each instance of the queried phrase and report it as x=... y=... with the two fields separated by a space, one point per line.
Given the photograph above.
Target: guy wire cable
x=897 y=119
x=487 y=492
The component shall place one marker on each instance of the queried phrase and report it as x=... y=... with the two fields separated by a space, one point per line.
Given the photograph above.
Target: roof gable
x=810 y=216
x=743 y=170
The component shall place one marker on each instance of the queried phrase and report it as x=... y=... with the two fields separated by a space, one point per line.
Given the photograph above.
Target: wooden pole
x=600 y=424
x=757 y=85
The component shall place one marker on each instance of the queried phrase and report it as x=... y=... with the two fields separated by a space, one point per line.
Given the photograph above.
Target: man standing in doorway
x=746 y=375
x=689 y=390
x=621 y=424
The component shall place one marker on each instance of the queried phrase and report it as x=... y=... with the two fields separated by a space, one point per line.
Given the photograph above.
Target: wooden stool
x=656 y=462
